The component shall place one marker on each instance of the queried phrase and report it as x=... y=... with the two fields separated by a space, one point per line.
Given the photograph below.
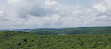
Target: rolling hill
x=80 y=30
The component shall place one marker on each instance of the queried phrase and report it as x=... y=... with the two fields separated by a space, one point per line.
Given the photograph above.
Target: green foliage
x=24 y=40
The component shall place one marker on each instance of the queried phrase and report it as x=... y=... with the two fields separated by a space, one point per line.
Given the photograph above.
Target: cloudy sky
x=23 y=14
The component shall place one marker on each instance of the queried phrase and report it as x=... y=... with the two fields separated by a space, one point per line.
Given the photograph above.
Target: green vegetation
x=24 y=40
x=82 y=30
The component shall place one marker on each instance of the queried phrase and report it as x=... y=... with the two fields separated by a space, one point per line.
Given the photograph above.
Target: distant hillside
x=56 y=31
x=80 y=30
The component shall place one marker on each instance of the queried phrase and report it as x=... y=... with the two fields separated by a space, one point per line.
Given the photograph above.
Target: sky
x=31 y=14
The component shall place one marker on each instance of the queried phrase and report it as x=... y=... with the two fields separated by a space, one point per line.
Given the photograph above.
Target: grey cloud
x=41 y=12
x=33 y=8
x=4 y=17
x=38 y=12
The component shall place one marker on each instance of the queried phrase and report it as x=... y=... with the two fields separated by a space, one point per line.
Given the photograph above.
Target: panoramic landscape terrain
x=61 y=38
x=55 y=24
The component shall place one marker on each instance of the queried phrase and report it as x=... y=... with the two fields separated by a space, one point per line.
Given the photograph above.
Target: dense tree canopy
x=24 y=40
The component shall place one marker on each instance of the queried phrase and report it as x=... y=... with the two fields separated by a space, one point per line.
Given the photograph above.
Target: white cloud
x=13 y=1
x=1 y=12
x=52 y=13
x=3 y=16
x=100 y=7
x=50 y=3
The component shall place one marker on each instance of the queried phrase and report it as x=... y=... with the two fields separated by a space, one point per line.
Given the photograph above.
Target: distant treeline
x=25 y=40
x=82 y=30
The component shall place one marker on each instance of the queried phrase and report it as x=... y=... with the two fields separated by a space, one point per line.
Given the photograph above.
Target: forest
x=26 y=40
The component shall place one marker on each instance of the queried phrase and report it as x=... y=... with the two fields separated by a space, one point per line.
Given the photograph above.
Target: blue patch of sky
x=2 y=3
x=86 y=3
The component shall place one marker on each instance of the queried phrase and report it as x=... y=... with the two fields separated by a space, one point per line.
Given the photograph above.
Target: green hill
x=81 y=30
x=25 y=40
